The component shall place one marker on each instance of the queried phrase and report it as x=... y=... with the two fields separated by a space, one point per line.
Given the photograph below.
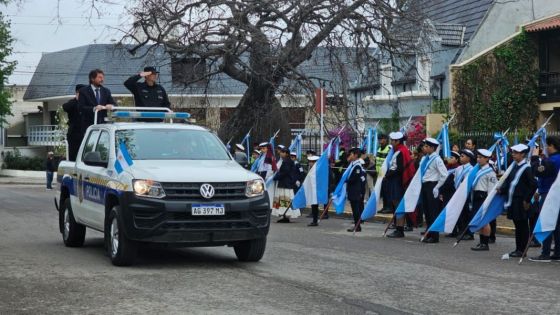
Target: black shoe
x=492 y=240
x=313 y=224
x=534 y=243
x=480 y=247
x=430 y=240
x=468 y=237
x=452 y=235
x=515 y=254
x=283 y=220
x=359 y=229
x=555 y=258
x=408 y=229
x=396 y=234
x=541 y=258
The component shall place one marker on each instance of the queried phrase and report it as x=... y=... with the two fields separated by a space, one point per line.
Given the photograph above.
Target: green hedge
x=15 y=161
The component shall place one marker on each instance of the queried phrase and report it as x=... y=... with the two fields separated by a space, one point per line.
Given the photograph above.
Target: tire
x=73 y=233
x=250 y=251
x=121 y=250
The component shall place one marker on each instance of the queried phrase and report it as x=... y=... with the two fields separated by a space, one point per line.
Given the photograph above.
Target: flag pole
x=356 y=226
x=527 y=248
x=388 y=224
x=321 y=102
x=326 y=210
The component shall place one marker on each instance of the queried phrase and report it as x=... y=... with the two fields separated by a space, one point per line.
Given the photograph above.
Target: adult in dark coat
x=147 y=93
x=94 y=97
x=74 y=133
x=284 y=174
x=523 y=185
x=356 y=187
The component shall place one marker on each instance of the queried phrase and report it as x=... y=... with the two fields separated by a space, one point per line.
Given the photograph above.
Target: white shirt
x=487 y=181
x=394 y=165
x=436 y=172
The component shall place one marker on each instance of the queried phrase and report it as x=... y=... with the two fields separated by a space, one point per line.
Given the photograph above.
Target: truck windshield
x=171 y=144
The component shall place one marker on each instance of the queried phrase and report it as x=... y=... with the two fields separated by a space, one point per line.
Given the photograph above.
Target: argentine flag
x=370 y=208
x=549 y=212
x=123 y=160
x=339 y=194
x=315 y=187
x=448 y=217
x=412 y=194
x=492 y=207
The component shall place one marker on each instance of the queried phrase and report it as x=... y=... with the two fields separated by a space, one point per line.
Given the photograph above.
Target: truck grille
x=191 y=191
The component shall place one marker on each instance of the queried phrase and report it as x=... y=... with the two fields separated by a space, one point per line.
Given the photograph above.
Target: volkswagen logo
x=207 y=191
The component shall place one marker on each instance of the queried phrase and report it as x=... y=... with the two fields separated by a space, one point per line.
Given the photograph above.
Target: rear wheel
x=73 y=233
x=252 y=250
x=121 y=250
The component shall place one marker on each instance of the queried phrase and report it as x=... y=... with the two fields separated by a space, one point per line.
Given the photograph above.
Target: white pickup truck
x=182 y=188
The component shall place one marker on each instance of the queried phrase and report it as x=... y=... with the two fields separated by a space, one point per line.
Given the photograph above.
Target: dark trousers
x=431 y=206
x=521 y=234
x=50 y=176
x=547 y=243
x=74 y=142
x=315 y=213
x=493 y=226
x=357 y=208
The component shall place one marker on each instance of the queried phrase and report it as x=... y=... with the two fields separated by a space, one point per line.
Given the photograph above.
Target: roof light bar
x=154 y=115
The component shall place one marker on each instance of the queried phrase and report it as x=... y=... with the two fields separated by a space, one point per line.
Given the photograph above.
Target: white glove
x=298 y=183
x=436 y=192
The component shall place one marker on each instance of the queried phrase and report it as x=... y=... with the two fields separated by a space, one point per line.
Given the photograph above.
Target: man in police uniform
x=74 y=133
x=484 y=181
x=147 y=93
x=356 y=187
x=435 y=173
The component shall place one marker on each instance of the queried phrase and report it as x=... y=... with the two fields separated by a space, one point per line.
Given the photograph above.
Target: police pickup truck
x=160 y=182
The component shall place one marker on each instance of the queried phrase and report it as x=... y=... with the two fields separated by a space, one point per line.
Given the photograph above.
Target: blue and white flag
x=448 y=217
x=375 y=142
x=339 y=194
x=255 y=166
x=315 y=187
x=123 y=161
x=296 y=145
x=549 y=212
x=443 y=138
x=492 y=207
x=247 y=143
x=412 y=194
x=372 y=204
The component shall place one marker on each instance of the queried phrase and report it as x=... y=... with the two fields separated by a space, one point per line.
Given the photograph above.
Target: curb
x=385 y=218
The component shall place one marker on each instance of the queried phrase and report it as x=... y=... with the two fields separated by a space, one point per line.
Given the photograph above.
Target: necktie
x=97 y=96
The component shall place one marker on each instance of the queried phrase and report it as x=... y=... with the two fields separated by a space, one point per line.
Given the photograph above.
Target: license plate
x=215 y=209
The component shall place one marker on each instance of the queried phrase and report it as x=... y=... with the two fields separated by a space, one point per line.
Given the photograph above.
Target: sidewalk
x=9 y=180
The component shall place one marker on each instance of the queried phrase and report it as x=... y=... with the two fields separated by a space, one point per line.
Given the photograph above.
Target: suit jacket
x=356 y=184
x=284 y=174
x=71 y=108
x=87 y=102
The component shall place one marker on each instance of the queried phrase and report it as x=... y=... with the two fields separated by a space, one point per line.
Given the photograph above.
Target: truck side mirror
x=94 y=159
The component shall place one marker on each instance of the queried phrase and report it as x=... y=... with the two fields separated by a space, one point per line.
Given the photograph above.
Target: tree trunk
x=258 y=109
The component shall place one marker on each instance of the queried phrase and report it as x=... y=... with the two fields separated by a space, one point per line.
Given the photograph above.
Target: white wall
x=502 y=21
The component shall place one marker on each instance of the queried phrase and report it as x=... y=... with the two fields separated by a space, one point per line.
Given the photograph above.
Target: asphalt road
x=323 y=270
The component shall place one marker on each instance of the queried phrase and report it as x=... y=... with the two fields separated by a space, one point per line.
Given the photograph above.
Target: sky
x=38 y=26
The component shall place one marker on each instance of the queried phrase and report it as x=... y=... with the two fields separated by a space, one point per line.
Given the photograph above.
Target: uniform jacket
x=546 y=170
x=356 y=182
x=284 y=174
x=524 y=191
x=145 y=95
x=71 y=109
x=87 y=102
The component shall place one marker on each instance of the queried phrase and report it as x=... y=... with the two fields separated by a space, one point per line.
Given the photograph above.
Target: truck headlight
x=147 y=188
x=254 y=188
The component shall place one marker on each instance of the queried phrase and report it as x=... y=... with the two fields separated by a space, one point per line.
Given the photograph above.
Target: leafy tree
x=6 y=66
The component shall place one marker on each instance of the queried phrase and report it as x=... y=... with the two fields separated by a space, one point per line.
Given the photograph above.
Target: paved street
x=322 y=270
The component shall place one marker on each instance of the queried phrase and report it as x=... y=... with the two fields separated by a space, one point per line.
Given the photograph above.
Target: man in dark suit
x=74 y=133
x=94 y=97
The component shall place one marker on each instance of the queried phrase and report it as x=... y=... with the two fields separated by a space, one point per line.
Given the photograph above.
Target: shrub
x=14 y=160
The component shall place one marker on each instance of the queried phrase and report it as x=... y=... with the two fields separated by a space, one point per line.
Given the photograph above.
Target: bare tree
x=263 y=43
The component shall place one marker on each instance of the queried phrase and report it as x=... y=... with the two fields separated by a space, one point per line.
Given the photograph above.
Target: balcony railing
x=45 y=135
x=549 y=86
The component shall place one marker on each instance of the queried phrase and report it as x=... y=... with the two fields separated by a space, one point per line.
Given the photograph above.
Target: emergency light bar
x=140 y=112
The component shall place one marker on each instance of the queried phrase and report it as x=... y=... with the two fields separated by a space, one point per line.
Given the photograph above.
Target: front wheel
x=122 y=250
x=252 y=250
x=73 y=233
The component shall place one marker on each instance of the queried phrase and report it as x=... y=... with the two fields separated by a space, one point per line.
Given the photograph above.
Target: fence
x=45 y=135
